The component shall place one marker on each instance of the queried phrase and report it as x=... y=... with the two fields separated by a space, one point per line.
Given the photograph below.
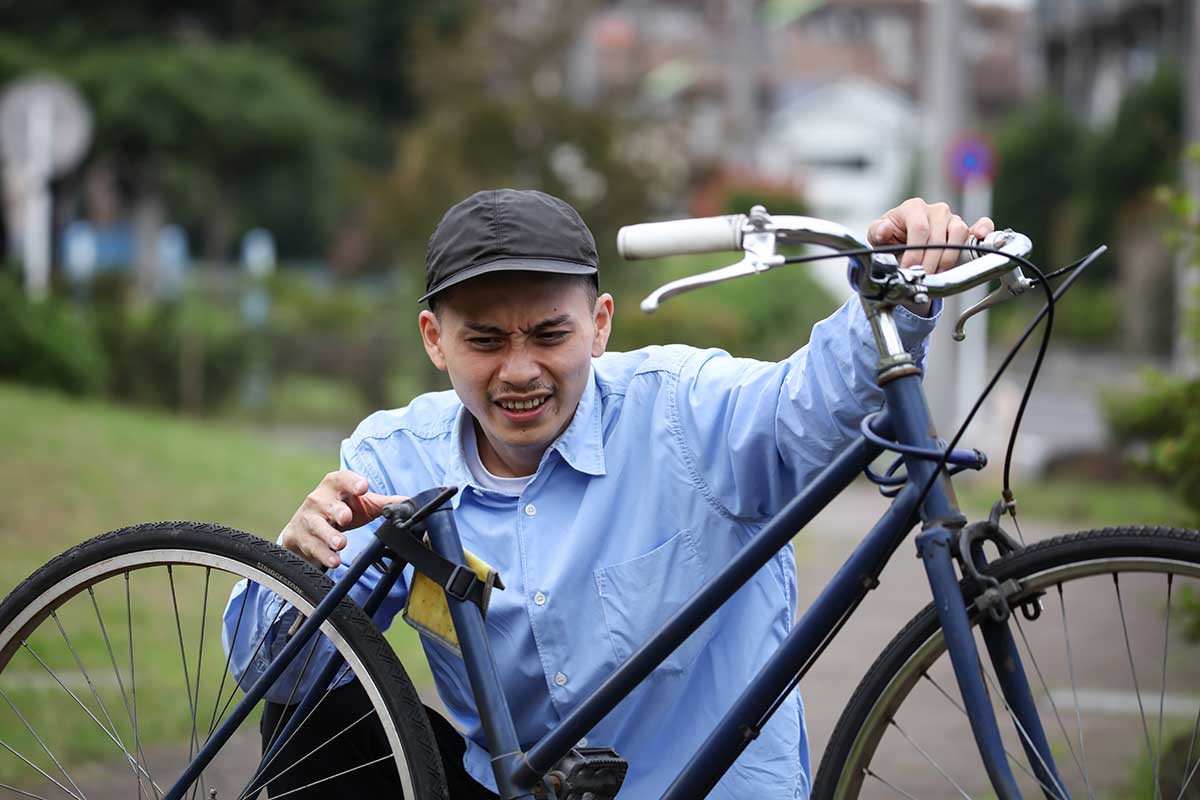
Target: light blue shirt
x=674 y=459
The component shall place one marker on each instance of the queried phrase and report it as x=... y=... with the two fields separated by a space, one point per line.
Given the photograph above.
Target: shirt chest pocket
x=637 y=596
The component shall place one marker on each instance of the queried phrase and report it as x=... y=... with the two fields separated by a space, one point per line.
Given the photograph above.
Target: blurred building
x=1094 y=49
x=740 y=72
x=824 y=96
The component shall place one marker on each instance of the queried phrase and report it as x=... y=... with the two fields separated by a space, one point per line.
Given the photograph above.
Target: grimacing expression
x=517 y=347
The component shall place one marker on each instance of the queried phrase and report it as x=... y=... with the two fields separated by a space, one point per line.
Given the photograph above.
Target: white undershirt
x=485 y=479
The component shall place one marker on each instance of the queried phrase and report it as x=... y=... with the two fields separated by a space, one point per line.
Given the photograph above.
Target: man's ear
x=603 y=316
x=431 y=337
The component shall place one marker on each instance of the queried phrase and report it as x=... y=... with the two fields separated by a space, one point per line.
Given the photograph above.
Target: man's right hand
x=340 y=503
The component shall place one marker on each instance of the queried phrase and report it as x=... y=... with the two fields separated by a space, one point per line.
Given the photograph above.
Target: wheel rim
x=81 y=587
x=857 y=773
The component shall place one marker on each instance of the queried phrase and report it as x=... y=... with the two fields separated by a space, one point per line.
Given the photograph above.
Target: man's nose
x=519 y=368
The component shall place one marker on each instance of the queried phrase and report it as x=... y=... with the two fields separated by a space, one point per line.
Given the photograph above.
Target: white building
x=848 y=146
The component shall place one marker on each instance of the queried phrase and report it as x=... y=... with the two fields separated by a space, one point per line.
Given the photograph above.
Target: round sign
x=972 y=157
x=44 y=106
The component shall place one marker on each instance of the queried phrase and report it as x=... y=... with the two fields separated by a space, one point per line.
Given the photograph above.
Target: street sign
x=43 y=111
x=45 y=129
x=971 y=158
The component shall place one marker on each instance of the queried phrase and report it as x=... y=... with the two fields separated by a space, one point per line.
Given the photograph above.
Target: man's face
x=517 y=347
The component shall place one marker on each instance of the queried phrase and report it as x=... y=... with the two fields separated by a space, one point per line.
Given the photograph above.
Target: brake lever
x=760 y=257
x=1012 y=283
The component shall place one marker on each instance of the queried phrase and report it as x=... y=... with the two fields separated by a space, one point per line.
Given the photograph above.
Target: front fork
x=935 y=547
x=900 y=378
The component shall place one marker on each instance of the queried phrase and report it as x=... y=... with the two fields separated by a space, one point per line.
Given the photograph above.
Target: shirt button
x=540 y=599
x=560 y=679
x=582 y=742
x=530 y=510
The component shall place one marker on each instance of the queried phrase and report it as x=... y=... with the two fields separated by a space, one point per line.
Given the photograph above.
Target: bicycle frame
x=907 y=421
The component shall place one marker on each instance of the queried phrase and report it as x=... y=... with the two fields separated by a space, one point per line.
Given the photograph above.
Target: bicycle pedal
x=588 y=773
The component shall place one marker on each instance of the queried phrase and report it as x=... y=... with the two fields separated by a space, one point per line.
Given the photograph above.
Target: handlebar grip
x=681 y=237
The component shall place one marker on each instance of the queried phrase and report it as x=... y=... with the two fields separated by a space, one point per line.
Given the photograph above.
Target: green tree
x=1038 y=153
x=1166 y=414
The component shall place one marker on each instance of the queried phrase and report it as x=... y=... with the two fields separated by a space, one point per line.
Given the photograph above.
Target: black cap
x=508 y=229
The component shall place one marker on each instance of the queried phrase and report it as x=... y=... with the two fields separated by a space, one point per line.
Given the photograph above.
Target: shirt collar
x=581 y=445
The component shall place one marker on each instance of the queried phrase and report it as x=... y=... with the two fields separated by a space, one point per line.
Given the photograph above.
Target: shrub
x=47 y=343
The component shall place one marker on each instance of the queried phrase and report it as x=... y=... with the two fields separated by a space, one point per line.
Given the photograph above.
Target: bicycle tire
x=846 y=766
x=178 y=547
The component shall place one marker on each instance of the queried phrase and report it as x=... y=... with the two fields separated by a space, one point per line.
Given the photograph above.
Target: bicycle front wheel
x=113 y=675
x=1107 y=624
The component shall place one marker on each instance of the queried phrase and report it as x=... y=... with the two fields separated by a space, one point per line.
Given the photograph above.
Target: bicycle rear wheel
x=1111 y=660
x=113 y=672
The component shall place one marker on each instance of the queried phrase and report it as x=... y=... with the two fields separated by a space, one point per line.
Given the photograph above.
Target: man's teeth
x=522 y=405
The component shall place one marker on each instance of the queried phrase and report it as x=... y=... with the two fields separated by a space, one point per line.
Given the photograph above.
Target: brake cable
x=1009 y=501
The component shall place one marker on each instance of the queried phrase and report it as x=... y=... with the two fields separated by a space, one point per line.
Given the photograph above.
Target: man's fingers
x=320 y=541
x=956 y=233
x=345 y=483
x=884 y=231
x=983 y=227
x=939 y=222
x=916 y=228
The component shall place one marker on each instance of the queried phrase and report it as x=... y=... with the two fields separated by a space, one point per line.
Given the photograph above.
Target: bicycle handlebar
x=757 y=233
x=681 y=236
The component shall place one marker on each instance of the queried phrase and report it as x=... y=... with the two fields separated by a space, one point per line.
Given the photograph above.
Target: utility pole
x=1187 y=272
x=945 y=113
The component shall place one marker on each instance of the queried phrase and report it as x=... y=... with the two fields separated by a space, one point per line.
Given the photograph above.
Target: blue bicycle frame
x=904 y=427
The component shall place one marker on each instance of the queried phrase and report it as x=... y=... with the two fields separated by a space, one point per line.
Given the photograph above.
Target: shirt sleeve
x=754 y=433
x=258 y=622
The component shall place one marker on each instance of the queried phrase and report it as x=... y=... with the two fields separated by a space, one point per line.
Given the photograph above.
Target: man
x=604 y=488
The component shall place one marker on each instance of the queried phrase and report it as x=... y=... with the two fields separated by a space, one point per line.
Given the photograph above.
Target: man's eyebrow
x=494 y=330
x=479 y=327
x=552 y=322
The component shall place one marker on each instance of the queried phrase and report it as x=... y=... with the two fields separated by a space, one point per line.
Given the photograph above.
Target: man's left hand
x=916 y=222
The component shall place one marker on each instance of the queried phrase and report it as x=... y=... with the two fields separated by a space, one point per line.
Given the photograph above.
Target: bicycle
x=988 y=600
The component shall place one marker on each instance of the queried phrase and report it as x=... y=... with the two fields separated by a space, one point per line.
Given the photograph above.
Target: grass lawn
x=76 y=469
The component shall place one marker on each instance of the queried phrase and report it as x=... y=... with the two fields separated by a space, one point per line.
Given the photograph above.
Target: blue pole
x=482 y=672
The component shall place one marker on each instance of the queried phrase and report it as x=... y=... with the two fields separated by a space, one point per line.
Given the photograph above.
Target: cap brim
x=552 y=265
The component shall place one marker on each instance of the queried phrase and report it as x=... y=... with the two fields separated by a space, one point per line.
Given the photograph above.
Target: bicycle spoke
x=1187 y=764
x=137 y=739
x=270 y=740
x=22 y=792
x=1045 y=688
x=331 y=777
x=1060 y=791
x=192 y=745
x=34 y=733
x=88 y=679
x=1011 y=756
x=281 y=773
x=41 y=771
x=261 y=641
x=182 y=652
x=1162 y=690
x=86 y=710
x=120 y=684
x=1133 y=671
x=929 y=758
x=312 y=649
x=897 y=790
x=1087 y=782
x=237 y=627
x=328 y=691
